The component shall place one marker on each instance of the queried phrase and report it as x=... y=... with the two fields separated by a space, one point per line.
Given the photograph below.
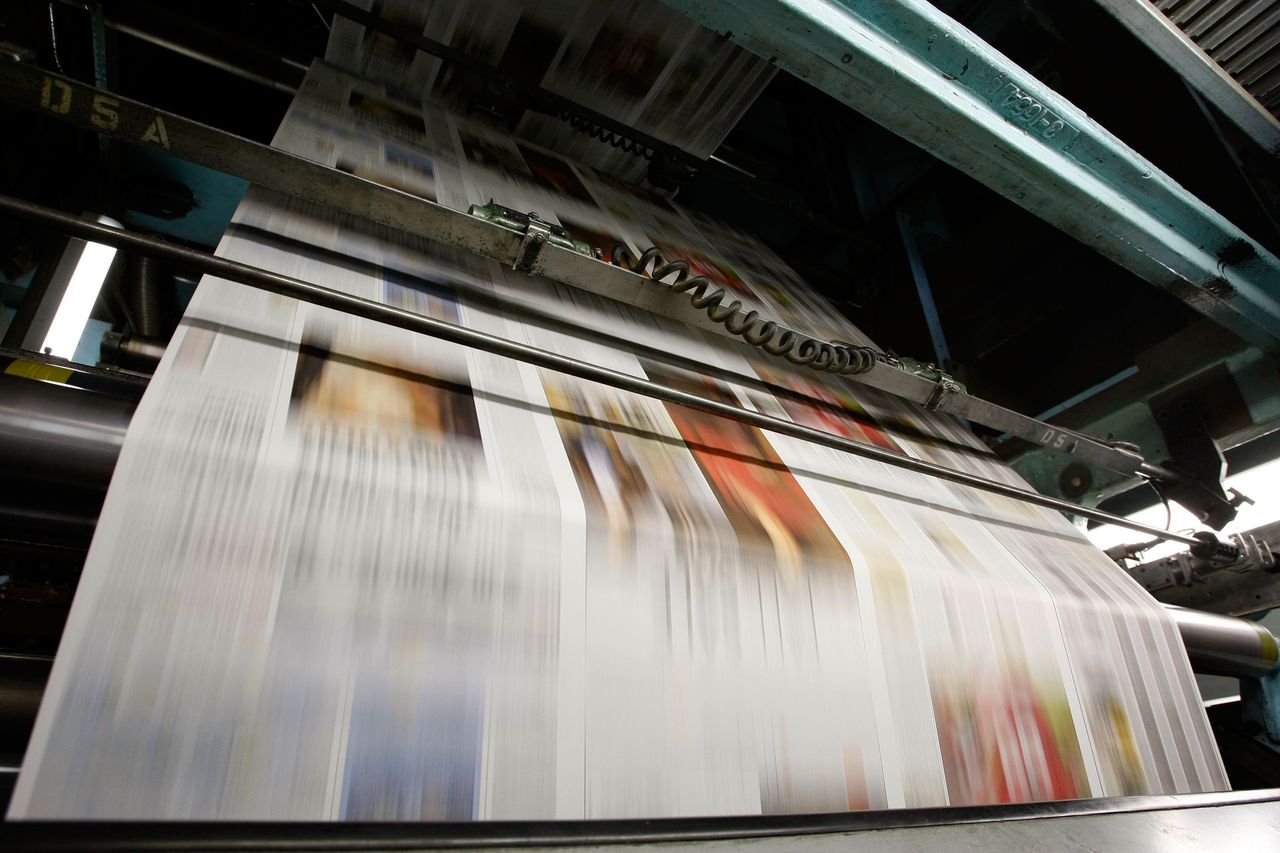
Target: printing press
x=489 y=370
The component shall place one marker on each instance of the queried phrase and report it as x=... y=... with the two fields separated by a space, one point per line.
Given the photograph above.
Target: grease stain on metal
x=1238 y=251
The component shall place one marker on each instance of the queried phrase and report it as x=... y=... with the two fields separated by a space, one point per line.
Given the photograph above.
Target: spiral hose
x=582 y=124
x=830 y=356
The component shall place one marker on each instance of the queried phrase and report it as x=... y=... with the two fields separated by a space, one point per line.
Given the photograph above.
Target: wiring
x=1168 y=509
x=582 y=124
x=831 y=356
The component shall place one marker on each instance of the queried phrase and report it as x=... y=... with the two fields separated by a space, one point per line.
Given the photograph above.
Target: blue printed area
x=414 y=747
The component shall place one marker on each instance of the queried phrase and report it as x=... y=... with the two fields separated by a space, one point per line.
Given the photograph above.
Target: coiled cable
x=582 y=124
x=830 y=356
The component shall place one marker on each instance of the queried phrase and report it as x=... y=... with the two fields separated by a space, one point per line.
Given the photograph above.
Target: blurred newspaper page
x=636 y=61
x=347 y=572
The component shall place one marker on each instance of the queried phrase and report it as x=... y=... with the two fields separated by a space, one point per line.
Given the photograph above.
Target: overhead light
x=80 y=296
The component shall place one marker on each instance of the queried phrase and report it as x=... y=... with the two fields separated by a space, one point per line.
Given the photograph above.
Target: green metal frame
x=916 y=71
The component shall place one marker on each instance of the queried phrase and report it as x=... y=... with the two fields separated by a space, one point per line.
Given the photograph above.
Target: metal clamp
x=944 y=388
x=536 y=234
x=1239 y=553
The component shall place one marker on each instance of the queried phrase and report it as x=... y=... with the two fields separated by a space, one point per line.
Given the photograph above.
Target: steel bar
x=1150 y=26
x=356 y=306
x=201 y=56
x=130 y=121
x=909 y=67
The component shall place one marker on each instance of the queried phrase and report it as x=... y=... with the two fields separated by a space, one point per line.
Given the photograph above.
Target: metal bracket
x=537 y=233
x=1240 y=553
x=946 y=387
x=535 y=237
x=1198 y=461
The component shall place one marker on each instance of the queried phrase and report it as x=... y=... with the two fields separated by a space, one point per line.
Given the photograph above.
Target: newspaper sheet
x=346 y=572
x=635 y=61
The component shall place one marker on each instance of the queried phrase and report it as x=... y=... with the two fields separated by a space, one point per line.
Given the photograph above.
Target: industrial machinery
x=1094 y=285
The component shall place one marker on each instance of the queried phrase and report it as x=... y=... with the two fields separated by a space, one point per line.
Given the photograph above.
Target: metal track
x=356 y=306
x=62 y=98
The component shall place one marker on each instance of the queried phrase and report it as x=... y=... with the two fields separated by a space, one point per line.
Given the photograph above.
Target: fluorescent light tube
x=79 y=297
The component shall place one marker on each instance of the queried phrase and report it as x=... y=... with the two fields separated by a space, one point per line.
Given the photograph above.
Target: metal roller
x=1225 y=645
x=58 y=448
x=61 y=434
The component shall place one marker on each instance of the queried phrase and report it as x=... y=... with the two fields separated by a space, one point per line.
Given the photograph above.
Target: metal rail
x=356 y=306
x=62 y=98
x=198 y=55
x=911 y=68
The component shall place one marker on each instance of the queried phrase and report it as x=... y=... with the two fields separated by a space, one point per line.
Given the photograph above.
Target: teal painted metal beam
x=907 y=66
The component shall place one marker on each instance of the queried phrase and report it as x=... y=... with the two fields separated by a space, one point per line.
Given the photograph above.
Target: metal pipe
x=356 y=306
x=1225 y=645
x=132 y=352
x=200 y=56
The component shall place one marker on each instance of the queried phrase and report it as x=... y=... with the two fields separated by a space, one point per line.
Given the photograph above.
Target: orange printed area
x=761 y=497
x=832 y=411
